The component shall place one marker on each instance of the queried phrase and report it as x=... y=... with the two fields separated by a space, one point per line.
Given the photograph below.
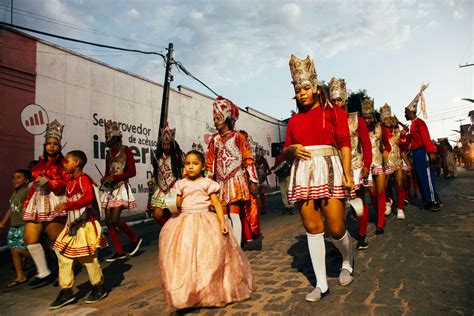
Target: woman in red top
x=119 y=168
x=48 y=190
x=318 y=178
x=361 y=156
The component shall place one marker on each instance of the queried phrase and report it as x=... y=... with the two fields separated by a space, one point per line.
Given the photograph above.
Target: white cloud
x=400 y=37
x=458 y=14
x=133 y=13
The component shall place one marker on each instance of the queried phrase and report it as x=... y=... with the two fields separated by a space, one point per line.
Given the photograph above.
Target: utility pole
x=166 y=88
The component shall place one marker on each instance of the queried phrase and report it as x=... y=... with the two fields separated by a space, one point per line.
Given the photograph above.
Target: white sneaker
x=388 y=209
x=400 y=214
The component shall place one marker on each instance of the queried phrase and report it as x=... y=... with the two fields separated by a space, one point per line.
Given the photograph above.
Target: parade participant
x=423 y=152
x=263 y=171
x=82 y=236
x=394 y=165
x=318 y=180
x=250 y=218
x=20 y=180
x=361 y=155
x=229 y=162
x=119 y=168
x=47 y=191
x=282 y=170
x=200 y=264
x=167 y=168
x=380 y=150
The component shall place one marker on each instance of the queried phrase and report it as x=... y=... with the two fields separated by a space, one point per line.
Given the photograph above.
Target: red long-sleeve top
x=53 y=171
x=319 y=127
x=129 y=171
x=419 y=136
x=79 y=186
x=386 y=135
x=364 y=140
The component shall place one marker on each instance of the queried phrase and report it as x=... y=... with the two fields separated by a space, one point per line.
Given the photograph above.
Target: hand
x=40 y=181
x=2 y=225
x=364 y=173
x=107 y=179
x=348 y=182
x=432 y=157
x=60 y=207
x=300 y=152
x=224 y=229
x=253 y=189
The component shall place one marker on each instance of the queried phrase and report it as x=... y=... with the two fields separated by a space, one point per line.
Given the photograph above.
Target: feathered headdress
x=414 y=104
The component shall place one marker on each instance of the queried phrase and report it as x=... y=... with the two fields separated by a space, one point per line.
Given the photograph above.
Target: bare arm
x=220 y=213
x=348 y=179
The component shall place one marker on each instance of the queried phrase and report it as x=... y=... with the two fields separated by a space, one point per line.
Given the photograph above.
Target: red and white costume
x=229 y=158
x=394 y=161
x=41 y=201
x=119 y=164
x=88 y=236
x=361 y=149
x=322 y=131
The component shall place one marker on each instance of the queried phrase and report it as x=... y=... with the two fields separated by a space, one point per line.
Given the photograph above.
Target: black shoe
x=428 y=206
x=96 y=294
x=65 y=297
x=116 y=256
x=135 y=246
x=379 y=231
x=39 y=282
x=435 y=207
x=362 y=243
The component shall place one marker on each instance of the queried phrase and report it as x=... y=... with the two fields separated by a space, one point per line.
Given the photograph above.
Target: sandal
x=15 y=283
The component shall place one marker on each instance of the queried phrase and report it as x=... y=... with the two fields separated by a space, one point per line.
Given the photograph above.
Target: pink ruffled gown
x=199 y=266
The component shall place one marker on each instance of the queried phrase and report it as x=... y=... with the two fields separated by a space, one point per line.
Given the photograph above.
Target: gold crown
x=167 y=134
x=385 y=111
x=367 y=106
x=337 y=89
x=303 y=70
x=112 y=129
x=55 y=130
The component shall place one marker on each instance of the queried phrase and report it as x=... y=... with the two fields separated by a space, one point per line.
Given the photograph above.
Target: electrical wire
x=74 y=26
x=81 y=41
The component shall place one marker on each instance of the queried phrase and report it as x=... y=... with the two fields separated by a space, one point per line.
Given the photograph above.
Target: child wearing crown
x=119 y=168
x=361 y=156
x=319 y=175
x=167 y=169
x=380 y=149
x=229 y=162
x=49 y=185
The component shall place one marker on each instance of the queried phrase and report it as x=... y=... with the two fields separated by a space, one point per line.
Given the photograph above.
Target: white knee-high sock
x=344 y=245
x=317 y=252
x=37 y=253
x=236 y=227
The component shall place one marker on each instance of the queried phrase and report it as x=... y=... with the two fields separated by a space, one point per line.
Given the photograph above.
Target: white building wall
x=82 y=93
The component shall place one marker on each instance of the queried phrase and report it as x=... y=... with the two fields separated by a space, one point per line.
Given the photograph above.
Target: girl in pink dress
x=201 y=264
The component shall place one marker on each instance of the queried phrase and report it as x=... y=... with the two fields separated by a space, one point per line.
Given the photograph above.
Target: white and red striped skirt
x=41 y=207
x=318 y=177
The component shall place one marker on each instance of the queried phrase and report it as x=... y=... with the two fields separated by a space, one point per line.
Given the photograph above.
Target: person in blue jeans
x=423 y=155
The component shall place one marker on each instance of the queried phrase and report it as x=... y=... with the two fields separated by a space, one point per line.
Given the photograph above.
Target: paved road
x=420 y=266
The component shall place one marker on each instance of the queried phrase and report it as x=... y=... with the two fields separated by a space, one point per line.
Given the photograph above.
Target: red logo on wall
x=34 y=119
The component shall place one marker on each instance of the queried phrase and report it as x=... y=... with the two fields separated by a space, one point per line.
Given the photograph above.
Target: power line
x=81 y=41
x=73 y=26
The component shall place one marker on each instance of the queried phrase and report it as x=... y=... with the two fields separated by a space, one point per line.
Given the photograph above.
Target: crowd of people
x=207 y=204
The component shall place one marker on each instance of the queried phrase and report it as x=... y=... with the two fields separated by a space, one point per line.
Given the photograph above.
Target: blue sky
x=241 y=48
